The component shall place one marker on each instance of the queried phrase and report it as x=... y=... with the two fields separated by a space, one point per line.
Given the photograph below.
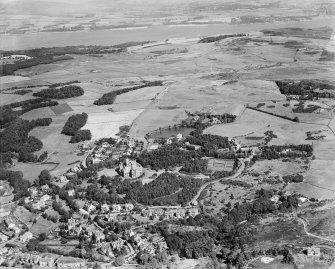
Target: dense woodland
x=74 y=123
x=195 y=166
x=307 y=89
x=282 y=151
x=9 y=69
x=51 y=55
x=166 y=156
x=164 y=185
x=109 y=98
x=15 y=139
x=60 y=93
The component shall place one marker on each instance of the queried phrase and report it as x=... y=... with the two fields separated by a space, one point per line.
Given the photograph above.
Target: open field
x=31 y=171
x=255 y=123
x=11 y=79
x=6 y=99
x=107 y=124
x=42 y=226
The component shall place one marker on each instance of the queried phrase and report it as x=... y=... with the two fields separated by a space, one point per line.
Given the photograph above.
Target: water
x=152 y=33
x=171 y=132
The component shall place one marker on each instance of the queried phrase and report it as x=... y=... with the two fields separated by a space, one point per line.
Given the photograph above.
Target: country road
x=240 y=169
x=313 y=235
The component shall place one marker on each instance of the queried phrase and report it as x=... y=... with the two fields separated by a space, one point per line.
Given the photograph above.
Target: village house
x=71 y=223
x=90 y=208
x=105 y=208
x=128 y=207
x=179 y=137
x=192 y=212
x=313 y=252
x=76 y=169
x=117 y=244
x=71 y=192
x=38 y=205
x=215 y=121
x=45 y=188
x=3 y=237
x=62 y=179
x=26 y=237
x=83 y=212
x=34 y=258
x=3 y=250
x=33 y=191
x=45 y=198
x=46 y=261
x=70 y=262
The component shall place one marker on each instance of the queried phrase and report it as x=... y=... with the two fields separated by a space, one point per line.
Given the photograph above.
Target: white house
x=26 y=237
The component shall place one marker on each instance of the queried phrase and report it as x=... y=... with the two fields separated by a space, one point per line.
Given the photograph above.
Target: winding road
x=239 y=171
x=304 y=223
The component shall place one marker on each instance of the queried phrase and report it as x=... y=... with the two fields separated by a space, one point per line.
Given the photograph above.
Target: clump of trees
x=61 y=93
x=302 y=109
x=195 y=166
x=208 y=139
x=74 y=123
x=72 y=128
x=81 y=135
x=109 y=98
x=282 y=151
x=293 y=178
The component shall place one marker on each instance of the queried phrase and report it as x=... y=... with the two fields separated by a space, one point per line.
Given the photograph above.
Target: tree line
x=212 y=39
x=311 y=88
x=60 y=93
x=109 y=98
x=7 y=114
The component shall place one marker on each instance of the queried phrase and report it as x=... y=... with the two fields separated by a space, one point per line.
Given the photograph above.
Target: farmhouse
x=313 y=252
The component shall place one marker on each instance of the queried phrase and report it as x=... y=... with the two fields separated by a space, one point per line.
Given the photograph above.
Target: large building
x=130 y=168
